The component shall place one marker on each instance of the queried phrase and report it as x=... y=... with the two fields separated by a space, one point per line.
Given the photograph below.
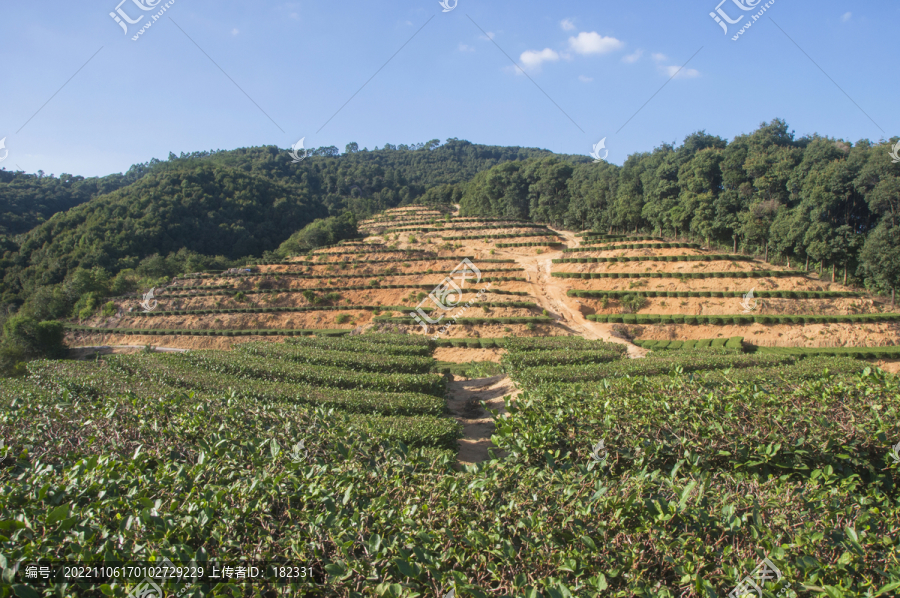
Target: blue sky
x=300 y=62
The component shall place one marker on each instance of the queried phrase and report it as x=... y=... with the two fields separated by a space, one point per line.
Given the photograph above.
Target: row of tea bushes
x=711 y=257
x=255 y=310
x=729 y=320
x=649 y=366
x=244 y=365
x=330 y=275
x=202 y=292
x=735 y=342
x=665 y=245
x=892 y=352
x=454 y=258
x=200 y=332
x=375 y=361
x=684 y=275
x=472 y=321
x=544 y=233
x=758 y=294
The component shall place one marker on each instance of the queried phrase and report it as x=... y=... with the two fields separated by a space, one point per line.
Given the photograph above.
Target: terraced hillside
x=539 y=282
x=668 y=291
x=596 y=415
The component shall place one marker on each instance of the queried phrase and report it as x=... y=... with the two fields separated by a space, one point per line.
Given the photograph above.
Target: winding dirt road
x=551 y=295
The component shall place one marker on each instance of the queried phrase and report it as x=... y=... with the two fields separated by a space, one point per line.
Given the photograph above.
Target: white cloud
x=846 y=16
x=533 y=59
x=659 y=57
x=593 y=43
x=584 y=79
x=234 y=31
x=685 y=73
x=490 y=35
x=466 y=48
x=632 y=58
x=294 y=15
x=567 y=25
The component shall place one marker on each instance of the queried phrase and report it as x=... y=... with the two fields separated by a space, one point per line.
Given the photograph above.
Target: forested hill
x=190 y=208
x=810 y=199
x=360 y=180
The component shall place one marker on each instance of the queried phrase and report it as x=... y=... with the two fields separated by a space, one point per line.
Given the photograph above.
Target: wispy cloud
x=567 y=25
x=632 y=58
x=533 y=59
x=683 y=74
x=466 y=48
x=234 y=31
x=846 y=16
x=490 y=35
x=659 y=57
x=584 y=79
x=593 y=43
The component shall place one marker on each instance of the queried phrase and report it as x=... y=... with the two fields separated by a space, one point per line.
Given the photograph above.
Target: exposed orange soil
x=416 y=266
x=710 y=306
x=387 y=297
x=461 y=355
x=743 y=285
x=660 y=266
x=486 y=331
x=646 y=252
x=889 y=365
x=293 y=320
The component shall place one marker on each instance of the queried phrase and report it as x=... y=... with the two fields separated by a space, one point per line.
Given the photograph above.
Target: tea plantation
x=311 y=423
x=335 y=453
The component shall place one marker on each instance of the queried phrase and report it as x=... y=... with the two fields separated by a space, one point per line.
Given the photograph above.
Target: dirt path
x=464 y=400
x=551 y=295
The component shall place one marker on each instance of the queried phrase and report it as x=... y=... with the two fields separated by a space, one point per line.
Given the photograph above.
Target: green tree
x=879 y=260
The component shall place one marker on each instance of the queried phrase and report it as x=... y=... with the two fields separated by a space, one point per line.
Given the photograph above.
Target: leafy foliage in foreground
x=703 y=475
